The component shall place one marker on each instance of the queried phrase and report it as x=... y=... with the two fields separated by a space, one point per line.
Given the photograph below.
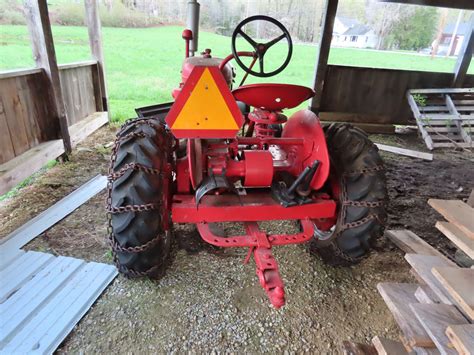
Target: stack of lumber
x=436 y=314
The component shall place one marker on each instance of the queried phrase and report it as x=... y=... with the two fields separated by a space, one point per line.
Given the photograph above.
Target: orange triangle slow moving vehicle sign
x=205 y=107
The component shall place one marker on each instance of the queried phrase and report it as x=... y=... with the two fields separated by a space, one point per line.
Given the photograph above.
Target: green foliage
x=143 y=64
x=69 y=14
x=414 y=31
x=11 y=13
x=420 y=99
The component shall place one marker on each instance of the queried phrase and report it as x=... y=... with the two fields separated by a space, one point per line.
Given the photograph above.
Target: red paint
x=258 y=168
x=252 y=207
x=305 y=124
x=273 y=97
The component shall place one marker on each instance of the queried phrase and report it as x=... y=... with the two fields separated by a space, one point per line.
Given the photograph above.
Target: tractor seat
x=273 y=97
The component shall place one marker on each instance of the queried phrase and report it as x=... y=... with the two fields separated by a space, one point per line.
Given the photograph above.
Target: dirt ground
x=208 y=300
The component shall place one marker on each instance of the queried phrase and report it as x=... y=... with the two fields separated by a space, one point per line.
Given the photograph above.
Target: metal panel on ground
x=51 y=295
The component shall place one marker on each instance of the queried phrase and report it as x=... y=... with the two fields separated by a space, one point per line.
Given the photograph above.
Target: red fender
x=305 y=124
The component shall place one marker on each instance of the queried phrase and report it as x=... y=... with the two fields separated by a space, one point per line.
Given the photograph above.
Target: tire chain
x=112 y=176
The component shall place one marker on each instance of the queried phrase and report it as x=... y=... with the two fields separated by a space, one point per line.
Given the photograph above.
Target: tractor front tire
x=139 y=190
x=358 y=184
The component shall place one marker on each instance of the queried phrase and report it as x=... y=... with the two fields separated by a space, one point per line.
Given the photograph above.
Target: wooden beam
x=403 y=151
x=37 y=18
x=323 y=53
x=454 y=4
x=465 y=55
x=457 y=212
x=462 y=338
x=19 y=168
x=95 y=41
x=458 y=237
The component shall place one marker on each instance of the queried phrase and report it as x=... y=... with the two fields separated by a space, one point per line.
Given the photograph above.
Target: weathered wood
x=459 y=283
x=422 y=264
x=455 y=4
x=435 y=319
x=323 y=53
x=470 y=200
x=19 y=168
x=87 y=126
x=409 y=242
x=458 y=237
x=424 y=294
x=457 y=212
x=462 y=338
x=372 y=95
x=37 y=18
x=75 y=65
x=466 y=137
x=7 y=151
x=95 y=41
x=52 y=215
x=386 y=346
x=398 y=298
x=465 y=56
x=446 y=90
x=15 y=73
x=403 y=151
x=352 y=348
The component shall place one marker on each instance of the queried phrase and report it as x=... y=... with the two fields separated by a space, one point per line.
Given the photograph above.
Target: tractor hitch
x=260 y=245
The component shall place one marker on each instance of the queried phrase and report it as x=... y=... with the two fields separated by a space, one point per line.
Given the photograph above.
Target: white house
x=351 y=33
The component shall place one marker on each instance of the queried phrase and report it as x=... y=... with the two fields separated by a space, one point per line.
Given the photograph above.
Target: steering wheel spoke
x=274 y=41
x=248 y=38
x=261 y=48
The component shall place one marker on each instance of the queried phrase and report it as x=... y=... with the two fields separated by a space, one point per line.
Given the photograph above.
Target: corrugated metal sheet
x=42 y=297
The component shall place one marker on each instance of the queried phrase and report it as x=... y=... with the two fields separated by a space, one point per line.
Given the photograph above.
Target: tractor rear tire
x=358 y=173
x=139 y=190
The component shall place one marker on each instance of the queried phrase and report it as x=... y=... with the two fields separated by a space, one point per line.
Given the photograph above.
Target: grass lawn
x=143 y=65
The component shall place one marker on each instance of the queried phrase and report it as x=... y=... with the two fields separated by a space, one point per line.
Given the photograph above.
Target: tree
x=415 y=30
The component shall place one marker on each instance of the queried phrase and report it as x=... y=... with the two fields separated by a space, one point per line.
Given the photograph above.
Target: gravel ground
x=208 y=300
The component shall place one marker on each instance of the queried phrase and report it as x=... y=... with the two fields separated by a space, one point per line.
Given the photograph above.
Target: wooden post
x=323 y=53
x=39 y=26
x=95 y=41
x=465 y=56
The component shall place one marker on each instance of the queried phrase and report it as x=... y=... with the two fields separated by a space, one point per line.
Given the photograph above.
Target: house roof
x=347 y=21
x=462 y=29
x=357 y=30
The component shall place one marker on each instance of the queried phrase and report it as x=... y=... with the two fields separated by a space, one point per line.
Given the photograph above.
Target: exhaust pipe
x=192 y=23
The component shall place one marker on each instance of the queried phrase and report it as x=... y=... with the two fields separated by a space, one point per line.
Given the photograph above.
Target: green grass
x=143 y=64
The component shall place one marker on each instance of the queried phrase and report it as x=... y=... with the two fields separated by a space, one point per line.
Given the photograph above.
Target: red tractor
x=219 y=154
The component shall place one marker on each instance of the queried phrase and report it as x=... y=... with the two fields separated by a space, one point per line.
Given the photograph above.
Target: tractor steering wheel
x=261 y=48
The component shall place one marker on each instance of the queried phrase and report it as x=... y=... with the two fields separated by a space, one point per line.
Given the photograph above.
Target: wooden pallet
x=435 y=316
x=445 y=117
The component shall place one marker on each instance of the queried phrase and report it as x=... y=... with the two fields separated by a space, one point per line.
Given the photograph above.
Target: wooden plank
x=7 y=151
x=398 y=298
x=20 y=271
x=403 y=151
x=386 y=346
x=19 y=168
x=453 y=145
x=15 y=73
x=443 y=91
x=422 y=264
x=435 y=319
x=459 y=283
x=52 y=215
x=465 y=55
x=462 y=338
x=457 y=212
x=424 y=294
x=95 y=41
x=323 y=53
x=18 y=310
x=73 y=65
x=39 y=27
x=458 y=237
x=87 y=126
x=48 y=328
x=454 y=4
x=353 y=348
x=470 y=200
x=409 y=242
x=452 y=109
